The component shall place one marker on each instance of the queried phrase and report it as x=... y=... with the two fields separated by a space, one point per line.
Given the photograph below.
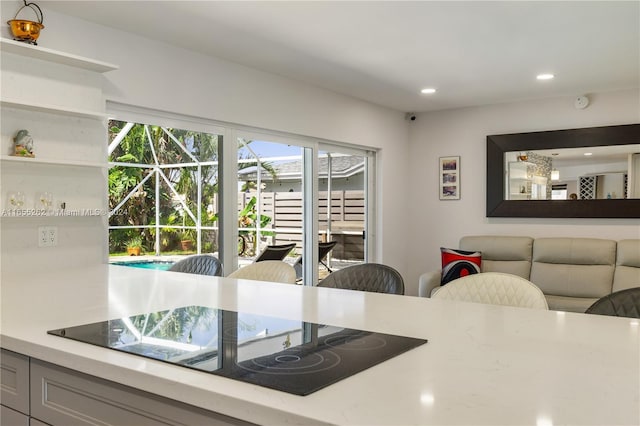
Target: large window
x=163 y=189
x=171 y=194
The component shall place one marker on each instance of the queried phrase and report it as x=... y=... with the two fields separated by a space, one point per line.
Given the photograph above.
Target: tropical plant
x=136 y=148
x=248 y=218
x=134 y=242
x=188 y=234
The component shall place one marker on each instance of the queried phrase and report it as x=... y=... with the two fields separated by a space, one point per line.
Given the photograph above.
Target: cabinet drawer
x=14 y=381
x=60 y=396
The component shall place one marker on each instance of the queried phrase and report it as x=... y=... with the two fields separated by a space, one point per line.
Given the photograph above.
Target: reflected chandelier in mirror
x=579 y=173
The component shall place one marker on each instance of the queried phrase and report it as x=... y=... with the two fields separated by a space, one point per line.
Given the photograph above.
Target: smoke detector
x=581 y=102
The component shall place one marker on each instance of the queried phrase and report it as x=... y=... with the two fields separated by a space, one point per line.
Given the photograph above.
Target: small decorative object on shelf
x=23 y=144
x=45 y=199
x=24 y=30
x=16 y=199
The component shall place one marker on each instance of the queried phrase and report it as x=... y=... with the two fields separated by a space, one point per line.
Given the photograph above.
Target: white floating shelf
x=46 y=54
x=55 y=109
x=36 y=160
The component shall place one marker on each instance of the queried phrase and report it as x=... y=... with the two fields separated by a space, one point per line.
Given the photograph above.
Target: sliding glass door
x=181 y=186
x=343 y=203
x=283 y=183
x=270 y=197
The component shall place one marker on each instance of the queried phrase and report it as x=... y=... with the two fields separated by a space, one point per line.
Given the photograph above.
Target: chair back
x=278 y=252
x=623 y=303
x=372 y=277
x=323 y=251
x=494 y=288
x=202 y=264
x=325 y=248
x=268 y=270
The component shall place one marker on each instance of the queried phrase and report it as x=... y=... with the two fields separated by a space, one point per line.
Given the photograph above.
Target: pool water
x=161 y=265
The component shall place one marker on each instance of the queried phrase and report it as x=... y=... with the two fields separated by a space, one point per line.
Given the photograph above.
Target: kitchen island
x=482 y=364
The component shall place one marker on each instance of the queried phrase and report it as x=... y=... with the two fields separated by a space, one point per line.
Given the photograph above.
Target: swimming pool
x=161 y=265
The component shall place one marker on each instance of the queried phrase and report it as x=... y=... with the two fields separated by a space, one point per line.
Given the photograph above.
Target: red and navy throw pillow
x=459 y=263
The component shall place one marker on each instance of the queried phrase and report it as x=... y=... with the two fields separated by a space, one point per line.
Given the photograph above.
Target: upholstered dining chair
x=203 y=264
x=623 y=303
x=267 y=270
x=372 y=277
x=494 y=288
x=275 y=252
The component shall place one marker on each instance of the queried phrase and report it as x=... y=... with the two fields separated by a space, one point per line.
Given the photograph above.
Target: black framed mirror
x=501 y=204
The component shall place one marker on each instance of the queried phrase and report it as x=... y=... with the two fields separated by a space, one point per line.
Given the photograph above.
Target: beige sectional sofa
x=571 y=272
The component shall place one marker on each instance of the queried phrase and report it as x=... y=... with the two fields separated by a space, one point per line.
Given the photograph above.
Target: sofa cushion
x=569 y=304
x=573 y=267
x=459 y=263
x=627 y=273
x=511 y=255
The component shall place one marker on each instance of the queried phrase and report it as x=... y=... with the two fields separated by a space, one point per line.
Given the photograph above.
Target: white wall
x=159 y=76
x=463 y=132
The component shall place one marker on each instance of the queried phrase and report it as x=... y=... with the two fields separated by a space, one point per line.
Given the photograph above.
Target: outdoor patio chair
x=323 y=251
x=203 y=264
x=277 y=252
x=268 y=270
x=372 y=277
x=623 y=303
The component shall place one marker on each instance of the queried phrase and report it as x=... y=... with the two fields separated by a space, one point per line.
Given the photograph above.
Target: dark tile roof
x=341 y=166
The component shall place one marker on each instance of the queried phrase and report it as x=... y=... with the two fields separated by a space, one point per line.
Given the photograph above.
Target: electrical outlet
x=53 y=236
x=47 y=236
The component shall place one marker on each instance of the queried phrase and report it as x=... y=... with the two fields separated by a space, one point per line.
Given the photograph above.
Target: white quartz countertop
x=482 y=365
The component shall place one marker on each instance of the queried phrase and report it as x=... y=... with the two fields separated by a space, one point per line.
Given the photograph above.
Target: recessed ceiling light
x=588 y=153
x=428 y=90
x=545 y=76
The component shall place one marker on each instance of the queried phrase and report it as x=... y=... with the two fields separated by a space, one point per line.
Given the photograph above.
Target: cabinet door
x=9 y=417
x=15 y=381
x=60 y=396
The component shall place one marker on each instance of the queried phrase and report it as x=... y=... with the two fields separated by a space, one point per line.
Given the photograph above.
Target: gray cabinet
x=60 y=396
x=37 y=393
x=15 y=381
x=9 y=417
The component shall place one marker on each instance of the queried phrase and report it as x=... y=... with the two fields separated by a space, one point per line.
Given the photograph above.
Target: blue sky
x=271 y=149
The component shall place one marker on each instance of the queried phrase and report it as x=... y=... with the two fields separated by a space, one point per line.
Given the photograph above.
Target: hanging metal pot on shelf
x=24 y=30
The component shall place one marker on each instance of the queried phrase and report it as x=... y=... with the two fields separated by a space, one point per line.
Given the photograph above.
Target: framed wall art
x=449 y=172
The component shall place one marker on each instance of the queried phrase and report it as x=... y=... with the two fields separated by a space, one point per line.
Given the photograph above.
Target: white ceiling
x=473 y=53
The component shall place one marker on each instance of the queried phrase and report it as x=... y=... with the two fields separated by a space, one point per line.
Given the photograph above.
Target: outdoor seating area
x=275 y=252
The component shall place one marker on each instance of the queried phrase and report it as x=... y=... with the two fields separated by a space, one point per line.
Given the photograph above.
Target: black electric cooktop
x=290 y=356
